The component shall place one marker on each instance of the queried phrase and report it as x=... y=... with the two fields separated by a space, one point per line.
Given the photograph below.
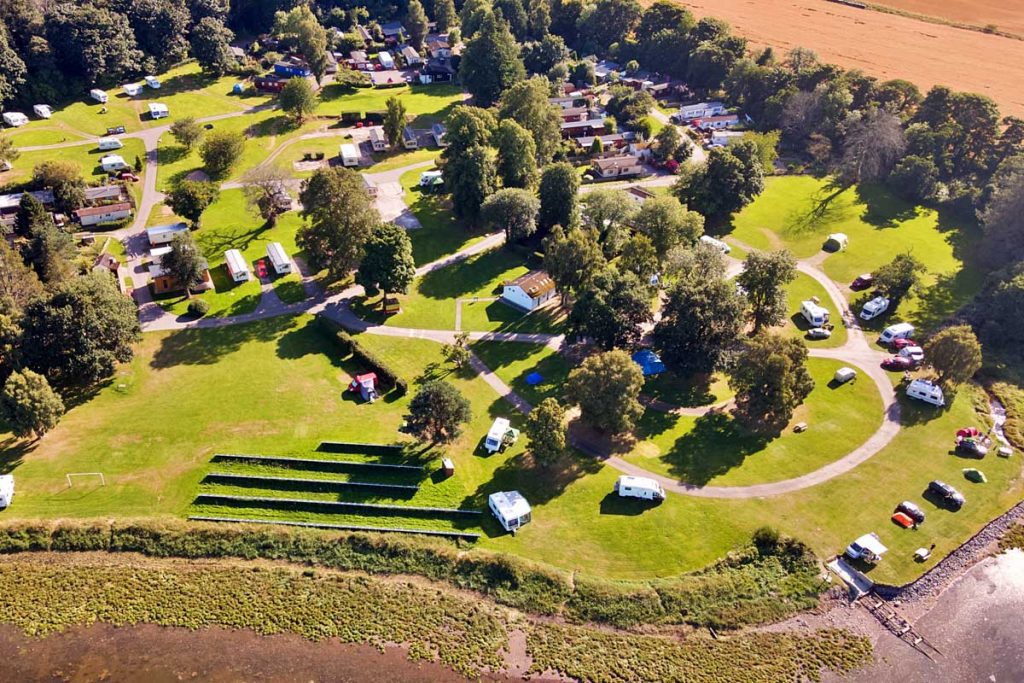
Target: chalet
x=715 y=122
x=409 y=138
x=160 y=235
x=270 y=83
x=576 y=129
x=292 y=67
x=378 y=141
x=238 y=53
x=605 y=70
x=106 y=263
x=332 y=63
x=438 y=47
x=165 y=283
x=438 y=131
x=110 y=213
x=529 y=291
x=411 y=57
x=394 y=32
x=617 y=167
x=358 y=60
x=575 y=114
x=437 y=70
x=364 y=33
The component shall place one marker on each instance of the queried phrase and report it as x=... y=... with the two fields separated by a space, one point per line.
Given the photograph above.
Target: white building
x=529 y=291
x=43 y=111
x=98 y=95
x=278 y=258
x=132 y=89
x=110 y=213
x=153 y=82
x=510 y=509
x=15 y=119
x=158 y=111
x=349 y=155
x=377 y=139
x=385 y=59
x=700 y=110
x=164 y=234
x=238 y=269
x=113 y=162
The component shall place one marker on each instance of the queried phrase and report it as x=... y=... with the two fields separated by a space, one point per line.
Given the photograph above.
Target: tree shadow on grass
x=468 y=276
x=167 y=155
x=882 y=208
x=654 y=422
x=686 y=392
x=198 y=346
x=823 y=211
x=308 y=340
x=614 y=504
x=13 y=450
x=715 y=445
x=914 y=412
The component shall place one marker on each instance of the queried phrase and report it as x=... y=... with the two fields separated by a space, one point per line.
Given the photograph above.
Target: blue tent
x=649 y=362
x=534 y=378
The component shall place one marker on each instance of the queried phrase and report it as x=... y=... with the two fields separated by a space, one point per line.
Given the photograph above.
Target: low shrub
x=198 y=307
x=388 y=378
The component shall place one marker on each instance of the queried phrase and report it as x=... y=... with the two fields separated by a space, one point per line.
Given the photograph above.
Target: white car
x=914 y=353
x=819 y=333
x=874 y=308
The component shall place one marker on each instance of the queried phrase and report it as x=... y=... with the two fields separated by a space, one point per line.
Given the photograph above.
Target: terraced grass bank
x=44 y=594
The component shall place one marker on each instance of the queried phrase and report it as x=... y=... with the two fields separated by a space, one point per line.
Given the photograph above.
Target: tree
x=915 y=178
x=186 y=132
x=666 y=143
x=571 y=258
x=220 y=150
x=19 y=284
x=49 y=251
x=437 y=412
x=517 y=155
x=394 y=121
x=387 y=264
x=764 y=279
x=527 y=104
x=996 y=310
x=8 y=152
x=29 y=405
x=211 y=46
x=468 y=127
x=340 y=217
x=416 y=23
x=298 y=99
x=900 y=277
x=490 y=61
x=954 y=354
x=12 y=70
x=185 y=263
x=667 y=223
x=873 y=144
x=159 y=27
x=65 y=179
x=559 y=184
x=545 y=426
x=541 y=56
x=96 y=44
x=78 y=334
x=1003 y=213
x=730 y=180
x=457 y=353
x=607 y=388
x=700 y=320
x=611 y=311
x=608 y=22
x=444 y=15
x=471 y=179
x=770 y=379
x=512 y=210
x=514 y=14
x=302 y=26
x=639 y=257
x=629 y=107
x=609 y=213
x=190 y=198
x=265 y=187
x=701 y=262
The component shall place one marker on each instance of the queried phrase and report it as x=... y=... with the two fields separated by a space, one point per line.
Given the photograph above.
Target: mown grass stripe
x=213 y=477
x=208 y=498
x=340 y=527
x=221 y=457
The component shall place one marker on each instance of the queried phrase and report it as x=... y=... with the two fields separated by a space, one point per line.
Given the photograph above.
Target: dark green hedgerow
x=387 y=377
x=751 y=586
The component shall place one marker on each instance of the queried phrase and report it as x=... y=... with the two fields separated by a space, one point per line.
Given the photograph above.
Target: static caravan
x=113 y=162
x=815 y=315
x=349 y=155
x=109 y=143
x=377 y=139
x=510 y=509
x=385 y=59
x=409 y=138
x=278 y=258
x=163 y=234
x=108 y=213
x=98 y=95
x=238 y=269
x=43 y=111
x=717 y=244
x=700 y=110
x=15 y=119
x=6 y=489
x=153 y=82
x=897 y=331
x=923 y=390
x=158 y=111
x=132 y=89
x=639 y=487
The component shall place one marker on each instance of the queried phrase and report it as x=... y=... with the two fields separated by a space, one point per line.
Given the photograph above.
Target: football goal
x=70 y=477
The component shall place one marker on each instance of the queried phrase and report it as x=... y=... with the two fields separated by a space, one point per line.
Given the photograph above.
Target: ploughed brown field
x=886 y=45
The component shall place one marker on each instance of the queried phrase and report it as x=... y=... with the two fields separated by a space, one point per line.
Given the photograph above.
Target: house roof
x=12 y=201
x=438 y=129
x=640 y=192
x=388 y=77
x=392 y=28
x=108 y=261
x=536 y=283
x=358 y=56
x=718 y=117
x=100 y=210
x=376 y=134
x=408 y=133
x=93 y=194
x=409 y=52
x=624 y=161
x=589 y=123
x=610 y=138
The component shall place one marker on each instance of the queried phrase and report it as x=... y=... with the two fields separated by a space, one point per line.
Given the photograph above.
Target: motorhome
x=874 y=308
x=639 y=487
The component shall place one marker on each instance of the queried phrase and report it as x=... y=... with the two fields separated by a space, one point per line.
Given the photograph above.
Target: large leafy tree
x=416 y=23
x=471 y=179
x=667 y=223
x=490 y=62
x=701 y=319
x=185 y=262
x=1003 y=213
x=444 y=15
x=559 y=184
x=611 y=311
x=607 y=388
x=159 y=26
x=340 y=217
x=12 y=70
x=187 y=132
x=770 y=379
x=190 y=198
x=900 y=278
x=730 y=180
x=220 y=150
x=610 y=214
x=517 y=155
x=954 y=353
x=64 y=177
x=96 y=44
x=546 y=428
x=437 y=412
x=764 y=278
x=527 y=104
x=874 y=142
x=211 y=46
x=571 y=258
x=608 y=22
x=394 y=121
x=512 y=210
x=639 y=257
x=302 y=26
x=47 y=249
x=78 y=334
x=468 y=127
x=29 y=405
x=265 y=187
x=298 y=99
x=19 y=284
x=387 y=265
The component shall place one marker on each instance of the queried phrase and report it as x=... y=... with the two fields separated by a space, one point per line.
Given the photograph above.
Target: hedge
x=387 y=377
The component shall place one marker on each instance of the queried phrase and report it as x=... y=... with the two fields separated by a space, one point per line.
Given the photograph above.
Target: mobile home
x=385 y=59
x=510 y=509
x=98 y=95
x=108 y=213
x=377 y=139
x=700 y=110
x=238 y=269
x=278 y=258
x=163 y=234
x=109 y=143
x=15 y=118
x=112 y=162
x=349 y=155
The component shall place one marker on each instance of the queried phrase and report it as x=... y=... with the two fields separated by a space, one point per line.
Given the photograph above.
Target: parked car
x=128 y=176
x=911 y=510
x=898 y=344
x=819 y=333
x=261 y=268
x=116 y=130
x=914 y=353
x=950 y=495
x=862 y=282
x=897 y=363
x=971 y=446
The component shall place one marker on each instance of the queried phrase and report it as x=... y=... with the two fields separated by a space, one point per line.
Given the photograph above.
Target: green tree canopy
x=513 y=211
x=190 y=198
x=298 y=99
x=700 y=320
x=607 y=388
x=220 y=150
x=667 y=223
x=186 y=131
x=490 y=62
x=471 y=178
x=339 y=218
x=526 y=103
x=437 y=412
x=770 y=379
x=185 y=262
x=611 y=311
x=211 y=46
x=546 y=428
x=559 y=184
x=416 y=23
x=571 y=258
x=387 y=265
x=29 y=405
x=900 y=277
x=764 y=278
x=394 y=121
x=954 y=353
x=517 y=155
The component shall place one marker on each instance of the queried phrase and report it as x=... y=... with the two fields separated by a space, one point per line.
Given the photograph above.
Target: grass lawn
x=513 y=361
x=289 y=288
x=426 y=103
x=390 y=162
x=87 y=156
x=798 y=212
x=714 y=450
x=691 y=392
x=45 y=133
x=802 y=289
x=440 y=234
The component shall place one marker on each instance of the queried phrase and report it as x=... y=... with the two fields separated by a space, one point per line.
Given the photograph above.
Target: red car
x=903 y=519
x=898 y=344
x=128 y=176
x=862 y=282
x=261 y=268
x=897 y=363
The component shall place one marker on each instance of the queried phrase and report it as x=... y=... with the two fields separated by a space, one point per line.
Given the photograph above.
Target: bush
x=766 y=540
x=387 y=377
x=198 y=307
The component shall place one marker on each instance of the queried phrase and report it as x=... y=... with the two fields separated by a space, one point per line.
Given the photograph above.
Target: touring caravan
x=43 y=111
x=923 y=390
x=874 y=308
x=500 y=435
x=897 y=331
x=106 y=144
x=510 y=509
x=98 y=95
x=112 y=162
x=278 y=258
x=153 y=82
x=717 y=244
x=132 y=89
x=815 y=315
x=14 y=119
x=639 y=487
x=158 y=111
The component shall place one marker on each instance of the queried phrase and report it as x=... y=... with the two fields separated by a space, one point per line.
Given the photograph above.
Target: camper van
x=500 y=435
x=236 y=265
x=897 y=331
x=278 y=258
x=6 y=489
x=923 y=390
x=639 y=487
x=98 y=95
x=874 y=308
x=510 y=509
x=717 y=244
x=815 y=315
x=109 y=143
x=867 y=548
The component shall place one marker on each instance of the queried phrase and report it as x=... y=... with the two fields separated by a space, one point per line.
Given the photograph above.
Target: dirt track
x=883 y=45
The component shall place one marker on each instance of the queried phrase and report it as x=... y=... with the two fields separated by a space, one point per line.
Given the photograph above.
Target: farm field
x=927 y=53
x=1004 y=16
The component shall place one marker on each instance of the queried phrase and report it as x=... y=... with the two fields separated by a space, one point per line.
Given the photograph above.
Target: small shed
x=837 y=241
x=510 y=509
x=366 y=385
x=650 y=363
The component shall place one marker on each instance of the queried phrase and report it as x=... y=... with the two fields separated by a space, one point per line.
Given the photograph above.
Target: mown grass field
x=441 y=234
x=86 y=156
x=426 y=104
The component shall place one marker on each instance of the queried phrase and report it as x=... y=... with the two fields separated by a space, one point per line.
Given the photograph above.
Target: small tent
x=366 y=385
x=649 y=362
x=837 y=241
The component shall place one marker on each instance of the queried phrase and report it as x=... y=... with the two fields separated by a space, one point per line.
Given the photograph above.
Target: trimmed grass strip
x=337 y=527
